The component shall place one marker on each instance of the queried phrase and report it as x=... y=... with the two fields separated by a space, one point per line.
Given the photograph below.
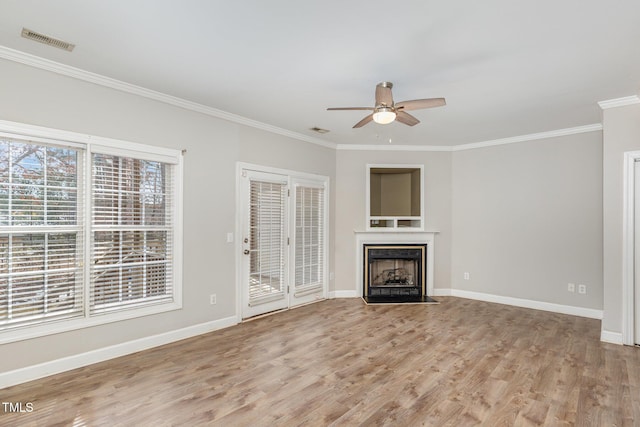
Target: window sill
x=67 y=325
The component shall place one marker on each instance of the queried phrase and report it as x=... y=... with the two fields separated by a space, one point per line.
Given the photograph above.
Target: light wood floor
x=340 y=362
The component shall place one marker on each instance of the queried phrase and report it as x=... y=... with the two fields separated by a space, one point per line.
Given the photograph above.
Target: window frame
x=88 y=145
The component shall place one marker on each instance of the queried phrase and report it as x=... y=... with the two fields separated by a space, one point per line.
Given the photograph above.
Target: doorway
x=283 y=232
x=636 y=279
x=631 y=249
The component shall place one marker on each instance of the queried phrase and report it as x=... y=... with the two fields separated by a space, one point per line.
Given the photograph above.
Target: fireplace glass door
x=394 y=271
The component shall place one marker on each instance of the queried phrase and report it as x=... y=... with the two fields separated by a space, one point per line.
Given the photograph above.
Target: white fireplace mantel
x=397 y=236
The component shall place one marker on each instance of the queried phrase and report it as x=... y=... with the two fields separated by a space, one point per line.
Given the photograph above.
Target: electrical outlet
x=571 y=287
x=466 y=275
x=212 y=299
x=582 y=289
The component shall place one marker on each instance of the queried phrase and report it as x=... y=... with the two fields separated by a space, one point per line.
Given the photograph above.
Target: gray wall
x=527 y=220
x=621 y=133
x=523 y=219
x=351 y=212
x=213 y=146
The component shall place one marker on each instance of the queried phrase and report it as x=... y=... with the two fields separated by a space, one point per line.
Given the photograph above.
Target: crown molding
x=66 y=70
x=619 y=102
x=372 y=147
x=462 y=147
x=530 y=137
x=87 y=76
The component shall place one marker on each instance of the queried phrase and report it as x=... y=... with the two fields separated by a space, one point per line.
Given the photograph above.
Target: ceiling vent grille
x=41 y=38
x=319 y=130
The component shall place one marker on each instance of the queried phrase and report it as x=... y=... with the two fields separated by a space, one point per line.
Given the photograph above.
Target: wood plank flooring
x=340 y=362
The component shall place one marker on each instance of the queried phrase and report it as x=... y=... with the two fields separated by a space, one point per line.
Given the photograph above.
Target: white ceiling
x=506 y=68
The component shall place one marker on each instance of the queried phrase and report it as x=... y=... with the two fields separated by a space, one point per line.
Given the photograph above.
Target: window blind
x=41 y=226
x=309 y=238
x=132 y=235
x=267 y=207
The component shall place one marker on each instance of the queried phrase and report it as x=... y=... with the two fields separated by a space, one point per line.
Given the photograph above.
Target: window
x=54 y=265
x=40 y=233
x=131 y=238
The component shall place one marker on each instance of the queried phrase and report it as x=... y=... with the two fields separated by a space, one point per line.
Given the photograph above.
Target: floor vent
x=41 y=38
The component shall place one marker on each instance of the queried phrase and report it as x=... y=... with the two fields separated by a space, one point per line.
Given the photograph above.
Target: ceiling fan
x=386 y=111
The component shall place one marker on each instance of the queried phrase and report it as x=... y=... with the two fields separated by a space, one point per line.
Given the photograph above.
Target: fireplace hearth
x=395 y=273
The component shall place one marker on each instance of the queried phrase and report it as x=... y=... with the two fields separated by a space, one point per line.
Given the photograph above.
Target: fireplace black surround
x=395 y=273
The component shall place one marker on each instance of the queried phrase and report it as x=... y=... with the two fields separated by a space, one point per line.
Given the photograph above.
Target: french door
x=283 y=241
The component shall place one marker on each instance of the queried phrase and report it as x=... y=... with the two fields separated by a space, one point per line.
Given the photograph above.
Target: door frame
x=238 y=246
x=628 y=247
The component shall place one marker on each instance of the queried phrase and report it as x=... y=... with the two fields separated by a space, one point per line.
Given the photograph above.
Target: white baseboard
x=611 y=337
x=57 y=366
x=517 y=302
x=343 y=294
x=527 y=303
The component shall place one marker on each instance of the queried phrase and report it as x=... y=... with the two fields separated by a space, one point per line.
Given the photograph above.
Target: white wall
x=621 y=133
x=42 y=98
x=351 y=214
x=527 y=220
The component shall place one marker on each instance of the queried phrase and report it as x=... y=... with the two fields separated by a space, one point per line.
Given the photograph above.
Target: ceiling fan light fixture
x=384 y=115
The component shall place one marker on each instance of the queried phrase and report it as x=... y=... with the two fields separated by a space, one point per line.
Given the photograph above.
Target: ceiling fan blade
x=383 y=94
x=418 y=104
x=364 y=121
x=351 y=108
x=406 y=118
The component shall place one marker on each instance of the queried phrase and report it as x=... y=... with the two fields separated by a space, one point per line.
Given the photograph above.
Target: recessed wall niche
x=394 y=195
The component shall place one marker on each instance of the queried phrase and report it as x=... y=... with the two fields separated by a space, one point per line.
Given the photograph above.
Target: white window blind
x=41 y=226
x=309 y=238
x=132 y=235
x=267 y=208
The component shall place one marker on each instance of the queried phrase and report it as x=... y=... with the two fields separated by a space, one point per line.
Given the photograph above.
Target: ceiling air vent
x=319 y=130
x=60 y=44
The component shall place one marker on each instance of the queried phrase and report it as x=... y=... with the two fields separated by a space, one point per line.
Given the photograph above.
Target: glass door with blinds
x=283 y=241
x=264 y=278
x=308 y=241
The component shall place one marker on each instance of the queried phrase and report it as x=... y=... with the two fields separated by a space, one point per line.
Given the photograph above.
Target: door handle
x=246 y=251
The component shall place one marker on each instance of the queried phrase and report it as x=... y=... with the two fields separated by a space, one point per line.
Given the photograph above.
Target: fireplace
x=424 y=240
x=395 y=273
